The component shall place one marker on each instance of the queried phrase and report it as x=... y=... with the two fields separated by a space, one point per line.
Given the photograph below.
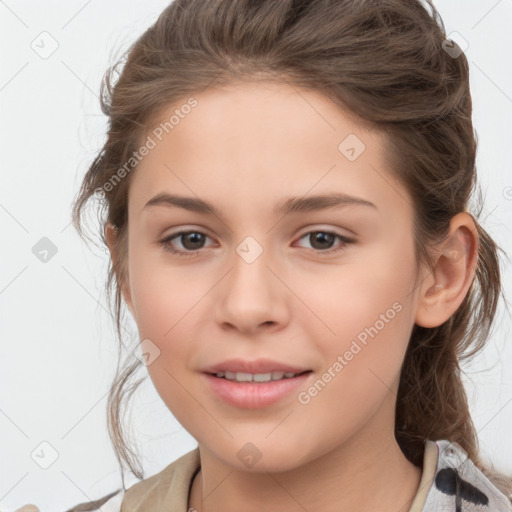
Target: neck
x=343 y=479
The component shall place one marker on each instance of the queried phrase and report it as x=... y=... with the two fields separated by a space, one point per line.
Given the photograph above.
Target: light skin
x=245 y=148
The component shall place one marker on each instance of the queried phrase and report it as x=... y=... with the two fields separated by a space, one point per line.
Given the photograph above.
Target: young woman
x=285 y=191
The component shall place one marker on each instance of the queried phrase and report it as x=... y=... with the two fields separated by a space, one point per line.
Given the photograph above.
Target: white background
x=58 y=347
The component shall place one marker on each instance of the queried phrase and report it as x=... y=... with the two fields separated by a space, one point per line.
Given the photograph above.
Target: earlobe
x=446 y=286
x=122 y=280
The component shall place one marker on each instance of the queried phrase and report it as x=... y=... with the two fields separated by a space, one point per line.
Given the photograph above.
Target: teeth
x=243 y=377
x=261 y=377
x=255 y=377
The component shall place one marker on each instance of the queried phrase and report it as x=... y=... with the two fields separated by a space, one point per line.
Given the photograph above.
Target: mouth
x=257 y=377
x=255 y=390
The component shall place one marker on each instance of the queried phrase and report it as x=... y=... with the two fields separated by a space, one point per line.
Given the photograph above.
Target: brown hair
x=385 y=62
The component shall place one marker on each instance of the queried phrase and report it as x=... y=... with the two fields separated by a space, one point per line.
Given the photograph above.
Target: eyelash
x=166 y=243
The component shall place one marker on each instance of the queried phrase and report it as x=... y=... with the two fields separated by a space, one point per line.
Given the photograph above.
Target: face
x=324 y=287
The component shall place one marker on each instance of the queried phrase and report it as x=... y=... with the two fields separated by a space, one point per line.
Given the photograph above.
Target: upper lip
x=254 y=366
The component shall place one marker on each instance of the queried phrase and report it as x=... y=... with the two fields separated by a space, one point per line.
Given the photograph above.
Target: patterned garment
x=460 y=486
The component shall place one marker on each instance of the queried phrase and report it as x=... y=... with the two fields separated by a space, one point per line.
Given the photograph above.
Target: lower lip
x=253 y=395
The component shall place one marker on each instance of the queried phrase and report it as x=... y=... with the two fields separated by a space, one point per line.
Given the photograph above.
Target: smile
x=256 y=377
x=255 y=390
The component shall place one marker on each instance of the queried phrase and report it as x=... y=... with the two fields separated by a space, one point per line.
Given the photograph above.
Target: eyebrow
x=289 y=205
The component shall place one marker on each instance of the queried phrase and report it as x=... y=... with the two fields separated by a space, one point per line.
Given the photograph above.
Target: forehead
x=253 y=140
x=263 y=108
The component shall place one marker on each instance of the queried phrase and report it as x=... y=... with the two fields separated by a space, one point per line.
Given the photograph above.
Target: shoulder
x=110 y=503
x=171 y=485
x=459 y=484
x=113 y=504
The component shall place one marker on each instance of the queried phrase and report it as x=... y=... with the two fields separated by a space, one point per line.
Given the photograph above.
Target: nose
x=252 y=296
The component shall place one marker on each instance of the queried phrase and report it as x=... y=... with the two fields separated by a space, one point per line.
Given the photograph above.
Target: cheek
x=166 y=303
x=362 y=364
x=365 y=357
x=369 y=297
x=164 y=294
x=372 y=315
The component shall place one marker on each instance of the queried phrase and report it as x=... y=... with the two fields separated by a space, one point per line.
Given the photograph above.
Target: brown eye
x=322 y=241
x=191 y=242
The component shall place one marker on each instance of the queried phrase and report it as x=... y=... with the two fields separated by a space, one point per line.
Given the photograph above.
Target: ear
x=111 y=238
x=445 y=287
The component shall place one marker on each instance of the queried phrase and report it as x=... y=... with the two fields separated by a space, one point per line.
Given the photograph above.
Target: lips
x=254 y=366
x=245 y=384
x=254 y=395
